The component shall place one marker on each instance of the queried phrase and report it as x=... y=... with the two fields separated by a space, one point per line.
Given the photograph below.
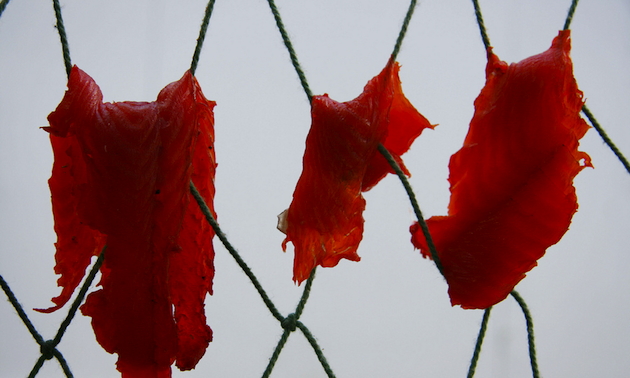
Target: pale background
x=388 y=315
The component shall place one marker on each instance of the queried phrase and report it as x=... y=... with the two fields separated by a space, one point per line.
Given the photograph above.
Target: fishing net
x=387 y=315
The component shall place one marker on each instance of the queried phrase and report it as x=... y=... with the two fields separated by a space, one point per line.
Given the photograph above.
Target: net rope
x=291 y=322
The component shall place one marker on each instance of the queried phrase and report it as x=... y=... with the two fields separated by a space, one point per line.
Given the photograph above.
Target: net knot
x=290 y=323
x=48 y=349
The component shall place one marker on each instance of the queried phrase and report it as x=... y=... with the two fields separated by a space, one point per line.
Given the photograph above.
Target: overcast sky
x=388 y=315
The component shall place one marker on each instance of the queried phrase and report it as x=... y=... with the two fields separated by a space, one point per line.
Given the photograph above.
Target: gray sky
x=388 y=315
